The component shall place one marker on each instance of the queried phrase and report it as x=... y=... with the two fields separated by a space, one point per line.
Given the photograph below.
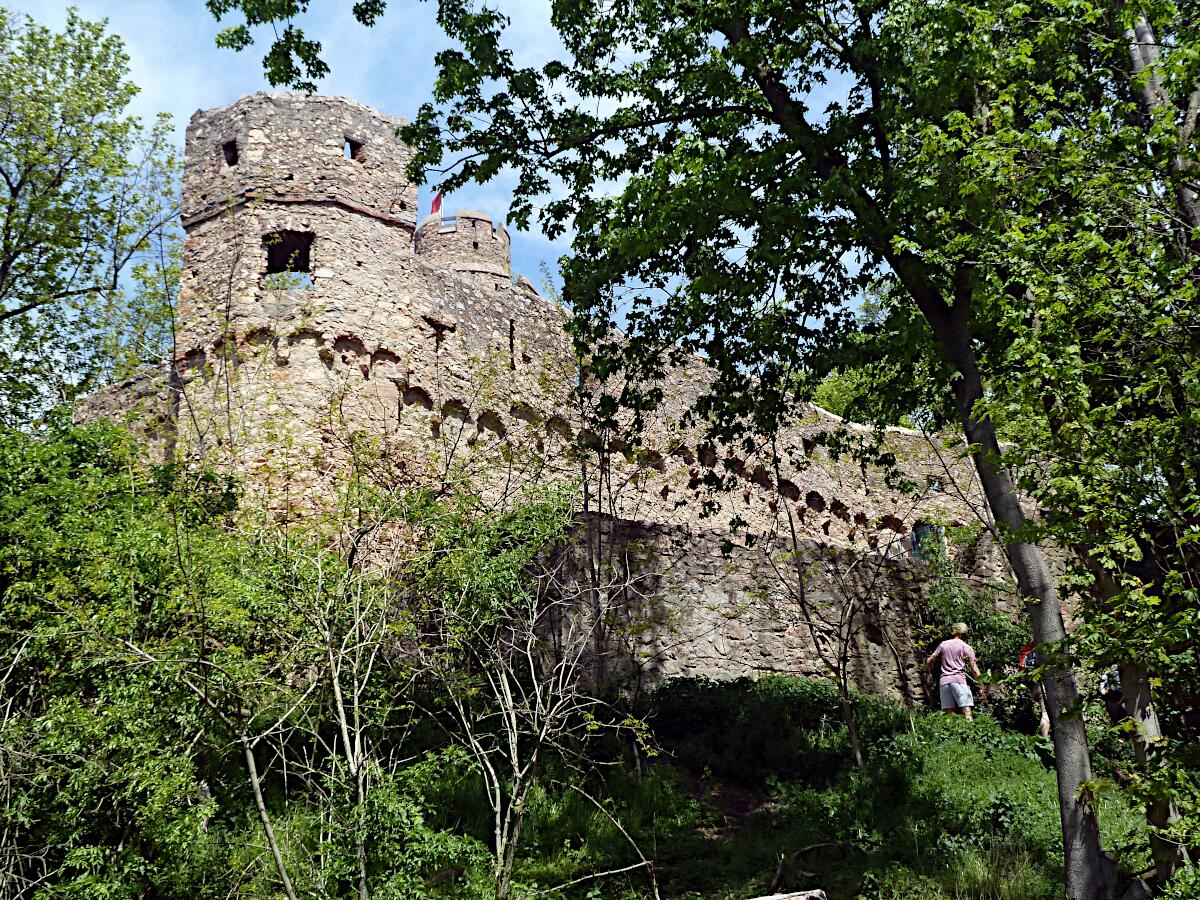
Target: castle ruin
x=320 y=321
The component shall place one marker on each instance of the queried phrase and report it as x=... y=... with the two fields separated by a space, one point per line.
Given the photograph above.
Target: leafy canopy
x=88 y=192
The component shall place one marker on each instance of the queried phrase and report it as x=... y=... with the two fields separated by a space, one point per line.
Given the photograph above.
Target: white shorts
x=956 y=695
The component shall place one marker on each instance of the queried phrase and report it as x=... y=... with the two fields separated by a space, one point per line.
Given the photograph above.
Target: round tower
x=288 y=148
x=466 y=242
x=287 y=198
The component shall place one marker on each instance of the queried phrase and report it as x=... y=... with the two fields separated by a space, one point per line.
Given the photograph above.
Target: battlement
x=297 y=148
x=467 y=242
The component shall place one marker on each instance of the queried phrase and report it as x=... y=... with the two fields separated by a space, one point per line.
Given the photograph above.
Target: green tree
x=88 y=189
x=177 y=692
x=1014 y=182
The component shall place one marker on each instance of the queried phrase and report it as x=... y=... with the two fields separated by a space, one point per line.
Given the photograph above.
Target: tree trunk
x=1135 y=689
x=1088 y=874
x=1153 y=98
x=360 y=836
x=1135 y=683
x=1139 y=707
x=256 y=787
x=852 y=729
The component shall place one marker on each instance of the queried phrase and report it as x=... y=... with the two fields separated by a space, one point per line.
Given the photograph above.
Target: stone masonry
x=319 y=323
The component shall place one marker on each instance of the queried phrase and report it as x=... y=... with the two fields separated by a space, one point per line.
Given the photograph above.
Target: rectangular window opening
x=229 y=148
x=289 y=263
x=352 y=149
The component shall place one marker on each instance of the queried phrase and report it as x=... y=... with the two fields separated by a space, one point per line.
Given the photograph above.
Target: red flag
x=437 y=204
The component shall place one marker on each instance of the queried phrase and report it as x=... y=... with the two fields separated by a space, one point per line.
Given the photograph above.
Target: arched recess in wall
x=351 y=352
x=304 y=341
x=682 y=451
x=490 y=421
x=789 y=490
x=525 y=413
x=304 y=335
x=560 y=426
x=652 y=459
x=260 y=337
x=814 y=501
x=384 y=361
x=195 y=359
x=589 y=440
x=415 y=395
x=456 y=409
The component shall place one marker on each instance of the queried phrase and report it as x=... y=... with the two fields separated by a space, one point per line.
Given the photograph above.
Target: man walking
x=954 y=653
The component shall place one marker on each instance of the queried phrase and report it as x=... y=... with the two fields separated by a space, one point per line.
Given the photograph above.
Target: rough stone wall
x=290 y=169
x=290 y=148
x=688 y=606
x=417 y=345
x=467 y=243
x=148 y=402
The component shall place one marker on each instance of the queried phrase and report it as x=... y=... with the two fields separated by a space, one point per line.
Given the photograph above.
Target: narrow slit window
x=229 y=150
x=289 y=260
x=353 y=149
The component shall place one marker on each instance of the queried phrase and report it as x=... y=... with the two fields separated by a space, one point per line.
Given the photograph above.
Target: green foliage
x=839 y=392
x=99 y=768
x=120 y=585
x=1012 y=184
x=943 y=809
x=996 y=637
x=790 y=728
x=147 y=639
x=480 y=557
x=90 y=192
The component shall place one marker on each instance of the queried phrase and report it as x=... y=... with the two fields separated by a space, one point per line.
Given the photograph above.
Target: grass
x=752 y=772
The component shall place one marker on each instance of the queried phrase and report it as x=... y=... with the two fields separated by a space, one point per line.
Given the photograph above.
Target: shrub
x=754 y=731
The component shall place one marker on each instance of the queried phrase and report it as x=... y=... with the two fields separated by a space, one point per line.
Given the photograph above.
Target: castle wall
x=224 y=288
x=290 y=148
x=413 y=351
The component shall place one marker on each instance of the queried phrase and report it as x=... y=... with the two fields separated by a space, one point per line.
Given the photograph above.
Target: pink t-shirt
x=954 y=652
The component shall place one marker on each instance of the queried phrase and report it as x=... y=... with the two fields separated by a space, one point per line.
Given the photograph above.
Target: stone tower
x=287 y=183
x=467 y=243
x=313 y=312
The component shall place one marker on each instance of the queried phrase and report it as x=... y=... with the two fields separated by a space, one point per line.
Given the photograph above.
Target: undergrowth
x=750 y=774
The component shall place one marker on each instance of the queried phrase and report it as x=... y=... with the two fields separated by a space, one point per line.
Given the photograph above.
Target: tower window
x=229 y=149
x=289 y=263
x=353 y=149
x=928 y=541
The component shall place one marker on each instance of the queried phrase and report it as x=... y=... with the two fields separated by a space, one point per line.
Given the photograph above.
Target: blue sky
x=179 y=69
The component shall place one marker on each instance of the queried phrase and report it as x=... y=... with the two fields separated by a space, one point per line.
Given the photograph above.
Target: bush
x=755 y=731
x=944 y=808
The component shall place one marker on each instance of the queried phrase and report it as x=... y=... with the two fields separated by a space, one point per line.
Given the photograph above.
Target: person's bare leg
x=967 y=712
